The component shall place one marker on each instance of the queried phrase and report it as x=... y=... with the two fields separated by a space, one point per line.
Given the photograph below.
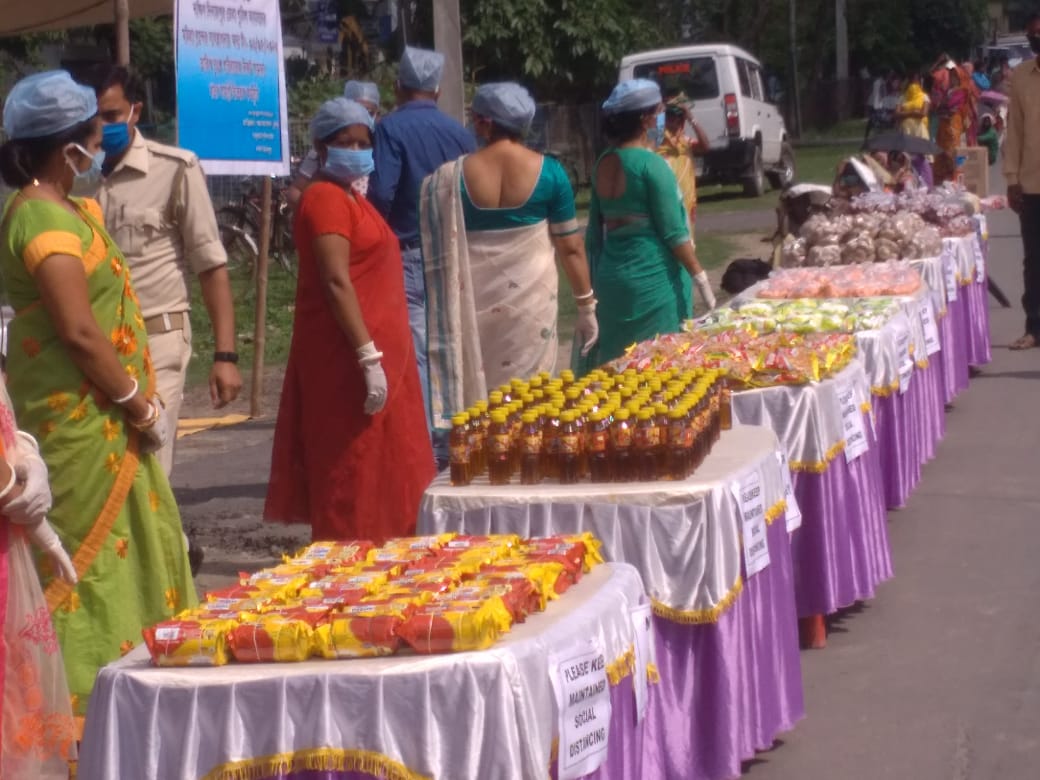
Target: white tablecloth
x=480 y=715
x=807 y=418
x=683 y=537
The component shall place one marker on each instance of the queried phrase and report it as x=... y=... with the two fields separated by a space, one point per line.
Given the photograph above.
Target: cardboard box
x=974 y=173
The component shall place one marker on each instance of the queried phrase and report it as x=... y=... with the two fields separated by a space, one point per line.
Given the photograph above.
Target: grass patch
x=281 y=299
x=840 y=131
x=817 y=164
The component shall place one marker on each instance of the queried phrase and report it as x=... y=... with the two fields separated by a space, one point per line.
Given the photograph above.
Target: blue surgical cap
x=336 y=114
x=506 y=104
x=47 y=103
x=362 y=90
x=421 y=69
x=633 y=95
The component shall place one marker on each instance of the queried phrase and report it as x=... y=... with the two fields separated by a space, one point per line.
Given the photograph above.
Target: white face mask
x=86 y=183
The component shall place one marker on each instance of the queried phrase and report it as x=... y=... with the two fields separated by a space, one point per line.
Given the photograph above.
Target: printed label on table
x=906 y=363
x=752 y=502
x=579 y=680
x=856 y=442
x=792 y=514
x=931 y=330
x=950 y=273
x=646 y=654
x=980 y=259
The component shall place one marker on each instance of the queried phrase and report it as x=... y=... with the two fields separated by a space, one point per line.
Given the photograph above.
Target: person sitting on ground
x=638 y=240
x=518 y=216
x=904 y=177
x=367 y=94
x=350 y=421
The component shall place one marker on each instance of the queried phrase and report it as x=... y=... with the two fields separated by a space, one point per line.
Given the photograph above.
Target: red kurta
x=348 y=474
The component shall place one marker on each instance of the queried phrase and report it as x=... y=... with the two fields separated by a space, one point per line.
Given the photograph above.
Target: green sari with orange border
x=113 y=507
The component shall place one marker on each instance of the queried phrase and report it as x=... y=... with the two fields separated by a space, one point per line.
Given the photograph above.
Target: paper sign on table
x=792 y=514
x=980 y=259
x=906 y=362
x=752 y=503
x=579 y=680
x=646 y=654
x=931 y=330
x=856 y=442
x=950 y=272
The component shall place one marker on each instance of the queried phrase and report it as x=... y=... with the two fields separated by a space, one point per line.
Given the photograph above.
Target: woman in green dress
x=638 y=239
x=82 y=383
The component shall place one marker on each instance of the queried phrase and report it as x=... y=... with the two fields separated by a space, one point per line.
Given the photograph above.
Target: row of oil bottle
x=635 y=426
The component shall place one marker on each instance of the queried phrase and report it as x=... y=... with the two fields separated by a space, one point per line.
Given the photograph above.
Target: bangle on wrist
x=10 y=485
x=586 y=296
x=225 y=357
x=150 y=420
x=129 y=396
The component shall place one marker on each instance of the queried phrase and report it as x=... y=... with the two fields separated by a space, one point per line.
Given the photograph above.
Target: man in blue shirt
x=410 y=144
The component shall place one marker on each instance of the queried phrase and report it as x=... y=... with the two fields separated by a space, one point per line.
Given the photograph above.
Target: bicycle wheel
x=241 y=247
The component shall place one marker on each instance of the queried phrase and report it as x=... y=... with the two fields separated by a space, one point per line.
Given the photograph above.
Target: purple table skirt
x=728 y=688
x=977 y=295
x=841 y=553
x=953 y=331
x=909 y=429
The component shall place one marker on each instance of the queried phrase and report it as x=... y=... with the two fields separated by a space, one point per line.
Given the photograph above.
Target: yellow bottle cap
x=460 y=419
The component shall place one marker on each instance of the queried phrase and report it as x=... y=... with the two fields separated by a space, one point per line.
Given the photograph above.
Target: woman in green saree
x=638 y=238
x=81 y=380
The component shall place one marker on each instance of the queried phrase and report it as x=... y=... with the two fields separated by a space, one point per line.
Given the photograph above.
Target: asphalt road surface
x=937 y=678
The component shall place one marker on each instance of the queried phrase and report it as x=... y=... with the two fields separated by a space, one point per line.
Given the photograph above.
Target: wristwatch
x=225 y=357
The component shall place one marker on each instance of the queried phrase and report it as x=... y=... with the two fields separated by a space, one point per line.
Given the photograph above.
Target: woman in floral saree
x=81 y=380
x=953 y=96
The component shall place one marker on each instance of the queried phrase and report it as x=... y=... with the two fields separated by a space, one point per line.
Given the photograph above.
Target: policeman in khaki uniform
x=158 y=211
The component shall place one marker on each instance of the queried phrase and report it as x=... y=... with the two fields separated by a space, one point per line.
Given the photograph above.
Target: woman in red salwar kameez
x=352 y=455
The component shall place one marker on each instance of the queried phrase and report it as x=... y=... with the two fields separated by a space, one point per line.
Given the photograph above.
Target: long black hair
x=625 y=126
x=23 y=159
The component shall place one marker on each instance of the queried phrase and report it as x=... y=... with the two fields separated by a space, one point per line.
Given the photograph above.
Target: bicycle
x=239 y=225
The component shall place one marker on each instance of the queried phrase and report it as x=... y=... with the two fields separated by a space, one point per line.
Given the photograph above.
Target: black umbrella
x=894 y=141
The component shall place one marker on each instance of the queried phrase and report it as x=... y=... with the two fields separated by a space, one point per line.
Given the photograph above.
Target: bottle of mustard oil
x=569 y=448
x=531 y=449
x=458 y=447
x=500 y=448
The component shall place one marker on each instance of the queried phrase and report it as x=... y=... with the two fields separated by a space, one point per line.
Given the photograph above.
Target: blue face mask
x=116 y=137
x=86 y=183
x=348 y=165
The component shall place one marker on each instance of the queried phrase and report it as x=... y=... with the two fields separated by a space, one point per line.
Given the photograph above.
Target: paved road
x=938 y=678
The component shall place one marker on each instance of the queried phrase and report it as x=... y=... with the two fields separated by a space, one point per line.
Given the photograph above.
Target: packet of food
x=188 y=642
x=273 y=638
x=362 y=631
x=446 y=628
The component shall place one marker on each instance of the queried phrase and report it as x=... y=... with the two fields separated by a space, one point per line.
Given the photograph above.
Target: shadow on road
x=189 y=496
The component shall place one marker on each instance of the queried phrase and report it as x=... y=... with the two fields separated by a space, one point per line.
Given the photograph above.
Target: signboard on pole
x=231 y=105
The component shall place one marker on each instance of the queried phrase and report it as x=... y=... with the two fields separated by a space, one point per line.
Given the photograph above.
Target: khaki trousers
x=171 y=352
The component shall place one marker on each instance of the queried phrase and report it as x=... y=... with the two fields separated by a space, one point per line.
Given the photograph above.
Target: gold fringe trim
x=622 y=667
x=653 y=676
x=696 y=617
x=775 y=511
x=922 y=363
x=821 y=466
x=865 y=407
x=884 y=391
x=315 y=759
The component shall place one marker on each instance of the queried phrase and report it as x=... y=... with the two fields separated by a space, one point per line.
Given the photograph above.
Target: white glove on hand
x=155 y=436
x=35 y=501
x=42 y=535
x=375 y=377
x=586 y=329
x=704 y=287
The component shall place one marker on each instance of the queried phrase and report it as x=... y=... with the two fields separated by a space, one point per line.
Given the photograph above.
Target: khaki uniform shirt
x=1022 y=145
x=158 y=211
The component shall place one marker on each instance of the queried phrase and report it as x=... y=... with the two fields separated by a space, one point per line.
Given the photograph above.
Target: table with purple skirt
x=841 y=552
x=726 y=641
x=464 y=716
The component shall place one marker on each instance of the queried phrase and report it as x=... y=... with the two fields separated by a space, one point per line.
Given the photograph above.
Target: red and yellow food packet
x=273 y=637
x=188 y=642
x=452 y=627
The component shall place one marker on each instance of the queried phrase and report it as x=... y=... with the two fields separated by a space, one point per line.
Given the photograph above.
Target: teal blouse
x=551 y=200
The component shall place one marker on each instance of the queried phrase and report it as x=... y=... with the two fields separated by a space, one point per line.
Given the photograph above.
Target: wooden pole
x=795 y=89
x=256 y=408
x=447 y=38
x=122 y=23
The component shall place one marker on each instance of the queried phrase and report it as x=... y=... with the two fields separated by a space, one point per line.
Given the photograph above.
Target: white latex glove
x=704 y=288
x=35 y=501
x=42 y=535
x=586 y=329
x=375 y=378
x=154 y=437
